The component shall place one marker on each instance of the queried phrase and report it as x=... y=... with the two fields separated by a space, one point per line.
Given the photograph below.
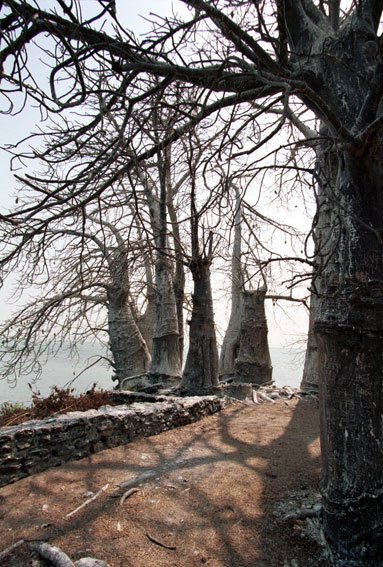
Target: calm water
x=287 y=364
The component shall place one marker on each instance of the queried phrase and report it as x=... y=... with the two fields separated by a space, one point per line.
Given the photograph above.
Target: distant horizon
x=287 y=371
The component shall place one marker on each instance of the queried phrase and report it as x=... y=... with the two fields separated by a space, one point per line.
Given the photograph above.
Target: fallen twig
x=127 y=494
x=158 y=542
x=88 y=501
x=9 y=549
x=52 y=553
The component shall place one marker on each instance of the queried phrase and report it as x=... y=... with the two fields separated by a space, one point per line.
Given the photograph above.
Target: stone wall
x=38 y=445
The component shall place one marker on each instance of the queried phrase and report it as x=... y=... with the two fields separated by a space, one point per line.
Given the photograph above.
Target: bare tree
x=83 y=289
x=328 y=55
x=231 y=341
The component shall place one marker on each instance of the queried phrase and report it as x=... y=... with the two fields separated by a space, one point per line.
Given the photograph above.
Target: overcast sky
x=286 y=326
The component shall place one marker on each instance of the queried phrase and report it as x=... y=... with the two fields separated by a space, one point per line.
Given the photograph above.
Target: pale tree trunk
x=130 y=354
x=146 y=322
x=201 y=367
x=253 y=363
x=166 y=361
x=326 y=178
x=230 y=345
x=179 y=277
x=166 y=358
x=310 y=377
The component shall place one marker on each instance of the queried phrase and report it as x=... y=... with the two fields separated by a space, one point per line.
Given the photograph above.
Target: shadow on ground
x=208 y=495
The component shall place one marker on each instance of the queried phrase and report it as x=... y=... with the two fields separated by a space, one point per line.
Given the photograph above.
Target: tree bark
x=130 y=353
x=146 y=323
x=201 y=367
x=166 y=358
x=326 y=178
x=349 y=327
x=310 y=377
x=230 y=345
x=253 y=363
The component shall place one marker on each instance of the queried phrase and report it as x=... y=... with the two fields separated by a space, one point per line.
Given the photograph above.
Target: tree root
x=304 y=513
x=57 y=557
x=158 y=542
x=127 y=494
x=9 y=549
x=88 y=501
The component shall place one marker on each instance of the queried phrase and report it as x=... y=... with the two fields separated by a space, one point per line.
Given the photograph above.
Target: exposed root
x=57 y=557
x=9 y=549
x=127 y=494
x=88 y=501
x=304 y=513
x=158 y=542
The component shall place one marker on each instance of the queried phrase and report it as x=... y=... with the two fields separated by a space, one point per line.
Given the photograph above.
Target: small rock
x=90 y=562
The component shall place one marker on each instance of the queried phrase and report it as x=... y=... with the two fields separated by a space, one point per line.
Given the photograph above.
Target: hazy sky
x=286 y=325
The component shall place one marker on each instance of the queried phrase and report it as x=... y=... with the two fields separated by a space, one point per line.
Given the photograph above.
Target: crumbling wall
x=38 y=445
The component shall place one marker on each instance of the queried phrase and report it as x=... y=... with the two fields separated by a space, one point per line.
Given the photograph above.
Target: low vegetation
x=60 y=400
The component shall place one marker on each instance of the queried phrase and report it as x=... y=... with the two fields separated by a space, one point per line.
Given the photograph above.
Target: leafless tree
x=82 y=287
x=326 y=54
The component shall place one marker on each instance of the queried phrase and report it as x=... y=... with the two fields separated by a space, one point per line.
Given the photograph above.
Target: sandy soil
x=213 y=493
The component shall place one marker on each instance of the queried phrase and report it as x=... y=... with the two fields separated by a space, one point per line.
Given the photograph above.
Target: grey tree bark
x=326 y=178
x=146 y=322
x=166 y=360
x=253 y=363
x=231 y=341
x=349 y=325
x=310 y=377
x=179 y=274
x=201 y=366
x=130 y=353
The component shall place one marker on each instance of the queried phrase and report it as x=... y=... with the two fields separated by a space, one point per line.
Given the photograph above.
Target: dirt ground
x=213 y=493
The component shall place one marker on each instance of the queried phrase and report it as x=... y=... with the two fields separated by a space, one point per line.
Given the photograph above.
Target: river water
x=59 y=371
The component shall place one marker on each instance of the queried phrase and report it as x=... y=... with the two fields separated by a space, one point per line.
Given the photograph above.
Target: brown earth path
x=216 y=492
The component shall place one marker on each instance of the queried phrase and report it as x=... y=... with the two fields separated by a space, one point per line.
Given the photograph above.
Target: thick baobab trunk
x=326 y=177
x=201 y=367
x=230 y=345
x=349 y=327
x=166 y=358
x=130 y=354
x=179 y=277
x=310 y=377
x=253 y=363
x=146 y=323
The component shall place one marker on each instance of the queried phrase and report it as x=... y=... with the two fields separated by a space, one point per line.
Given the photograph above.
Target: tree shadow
x=210 y=488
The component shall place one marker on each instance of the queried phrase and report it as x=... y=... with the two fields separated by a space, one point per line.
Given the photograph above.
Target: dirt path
x=215 y=491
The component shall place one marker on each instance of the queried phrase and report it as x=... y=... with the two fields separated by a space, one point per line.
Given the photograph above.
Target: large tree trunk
x=201 y=367
x=350 y=333
x=166 y=360
x=130 y=354
x=179 y=277
x=166 y=357
x=326 y=177
x=310 y=377
x=230 y=345
x=147 y=321
x=253 y=363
